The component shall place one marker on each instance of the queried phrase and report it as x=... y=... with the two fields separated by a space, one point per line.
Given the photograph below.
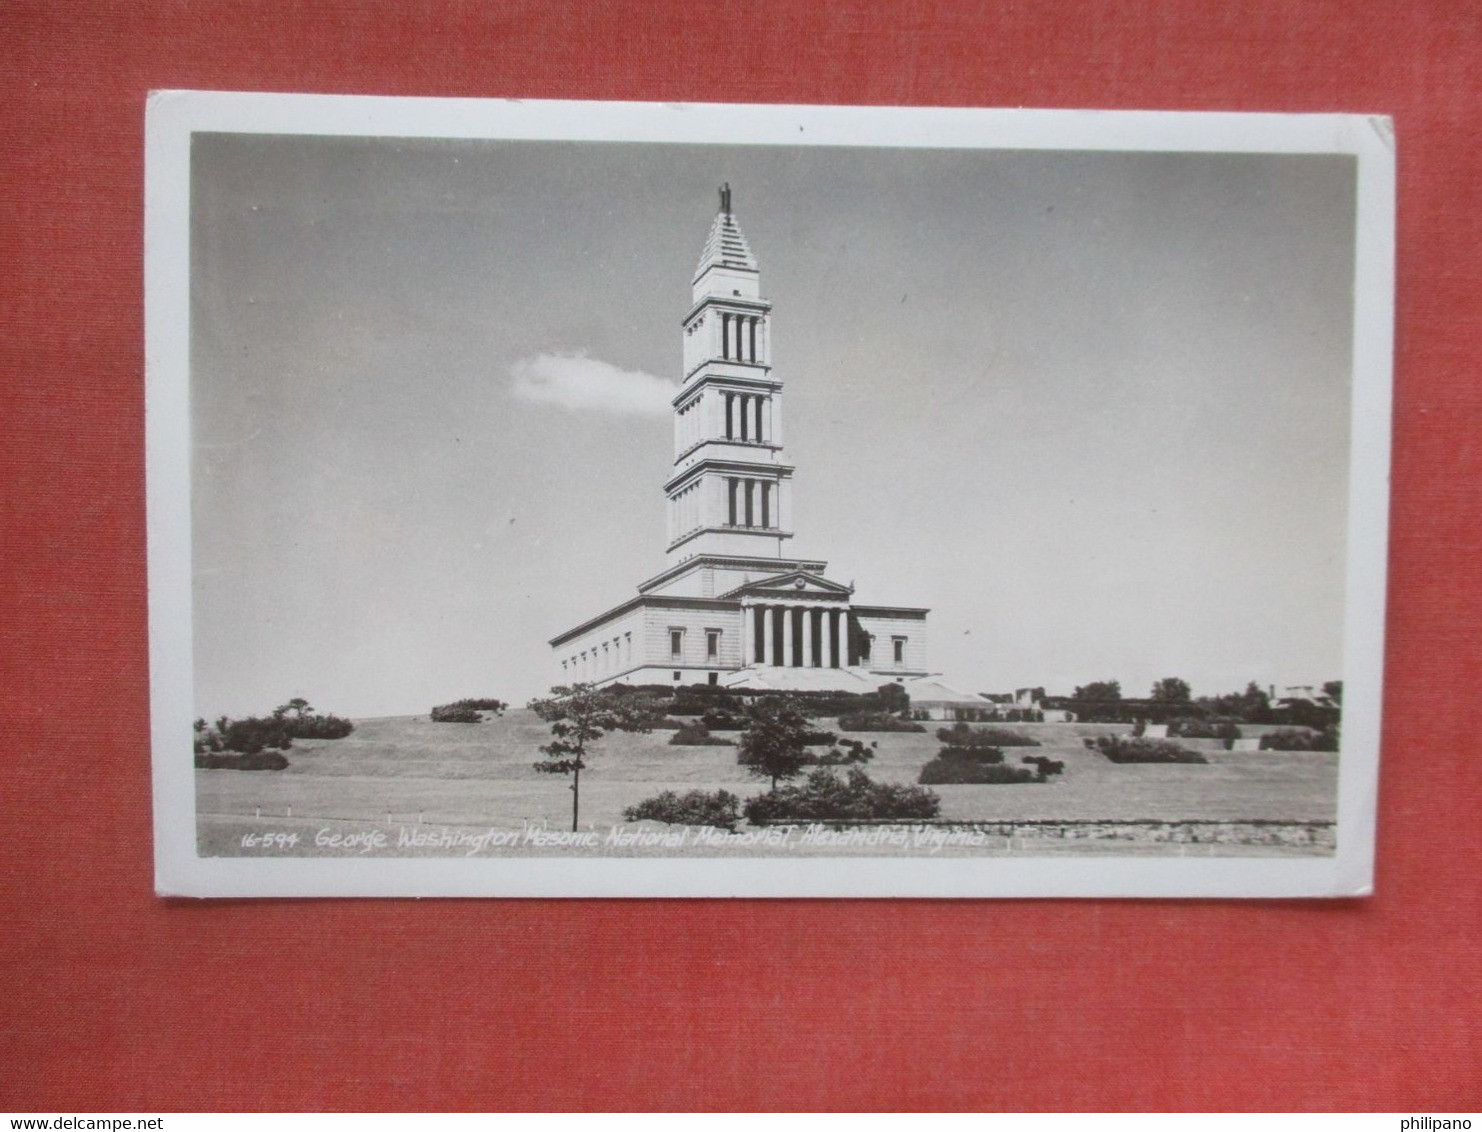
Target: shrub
x=961 y=735
x=824 y=796
x=1045 y=767
x=721 y=809
x=1121 y=749
x=696 y=735
x=718 y=720
x=876 y=721
x=467 y=711
x=957 y=767
x=854 y=751
x=819 y=739
x=667 y=725
x=1296 y=739
x=259 y=760
x=1188 y=727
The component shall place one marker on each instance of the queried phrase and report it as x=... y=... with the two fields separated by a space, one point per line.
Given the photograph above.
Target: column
x=748 y=633
x=786 y=636
x=808 y=637
x=841 y=640
x=769 y=634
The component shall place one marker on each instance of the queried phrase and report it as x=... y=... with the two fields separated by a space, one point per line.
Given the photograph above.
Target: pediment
x=794 y=583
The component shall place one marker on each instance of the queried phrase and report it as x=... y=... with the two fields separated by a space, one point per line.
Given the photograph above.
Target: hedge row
x=1127 y=749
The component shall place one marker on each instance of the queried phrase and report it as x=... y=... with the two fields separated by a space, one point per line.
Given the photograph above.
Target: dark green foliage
x=696 y=735
x=774 y=743
x=825 y=796
x=1292 y=739
x=848 y=753
x=1305 y=713
x=1045 y=767
x=259 y=760
x=1102 y=690
x=956 y=767
x=1170 y=690
x=961 y=735
x=718 y=720
x=300 y=721
x=893 y=698
x=1124 y=749
x=467 y=711
x=819 y=738
x=696 y=807
x=1187 y=727
x=876 y=721
x=991 y=714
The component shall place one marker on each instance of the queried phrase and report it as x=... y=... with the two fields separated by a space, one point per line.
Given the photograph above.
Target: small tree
x=579 y=715
x=298 y=705
x=1105 y=690
x=1170 y=690
x=1333 y=689
x=775 y=742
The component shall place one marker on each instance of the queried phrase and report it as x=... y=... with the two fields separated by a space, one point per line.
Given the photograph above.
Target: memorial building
x=734 y=605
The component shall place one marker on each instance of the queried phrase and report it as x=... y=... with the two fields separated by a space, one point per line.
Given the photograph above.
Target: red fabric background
x=115 y=1000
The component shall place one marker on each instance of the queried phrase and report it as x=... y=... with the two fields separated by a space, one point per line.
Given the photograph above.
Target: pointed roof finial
x=725 y=197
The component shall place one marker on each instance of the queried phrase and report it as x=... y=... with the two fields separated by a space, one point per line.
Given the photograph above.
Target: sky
x=1090 y=408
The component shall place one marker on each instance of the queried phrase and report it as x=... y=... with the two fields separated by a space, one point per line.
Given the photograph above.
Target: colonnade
x=796 y=636
x=739 y=335
x=748 y=417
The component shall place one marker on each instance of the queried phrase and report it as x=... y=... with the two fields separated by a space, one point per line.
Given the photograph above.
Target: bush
x=696 y=735
x=819 y=739
x=1297 y=739
x=467 y=711
x=1188 y=727
x=956 y=767
x=260 y=760
x=827 y=797
x=854 y=751
x=961 y=735
x=1121 y=749
x=876 y=721
x=667 y=725
x=720 y=809
x=1045 y=767
x=718 y=720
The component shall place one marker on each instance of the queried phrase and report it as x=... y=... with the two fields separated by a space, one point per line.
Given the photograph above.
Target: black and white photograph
x=637 y=500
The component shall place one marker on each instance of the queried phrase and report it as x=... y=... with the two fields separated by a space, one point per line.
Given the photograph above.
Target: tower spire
x=725 y=197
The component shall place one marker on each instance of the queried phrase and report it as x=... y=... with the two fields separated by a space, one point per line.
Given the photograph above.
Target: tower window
x=725 y=336
x=731 y=489
x=750 y=491
x=766 y=505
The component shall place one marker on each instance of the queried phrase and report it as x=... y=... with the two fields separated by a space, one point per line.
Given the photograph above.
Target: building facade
x=734 y=605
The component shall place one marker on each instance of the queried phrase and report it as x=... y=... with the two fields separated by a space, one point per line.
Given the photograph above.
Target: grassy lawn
x=457 y=774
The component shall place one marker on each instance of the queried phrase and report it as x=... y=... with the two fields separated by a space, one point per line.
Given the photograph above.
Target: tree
x=1109 y=690
x=1333 y=689
x=1170 y=690
x=774 y=744
x=298 y=705
x=579 y=715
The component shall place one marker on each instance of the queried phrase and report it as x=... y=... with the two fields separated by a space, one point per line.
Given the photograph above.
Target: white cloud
x=575 y=381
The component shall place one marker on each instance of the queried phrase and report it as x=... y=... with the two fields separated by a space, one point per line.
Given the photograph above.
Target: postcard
x=616 y=499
